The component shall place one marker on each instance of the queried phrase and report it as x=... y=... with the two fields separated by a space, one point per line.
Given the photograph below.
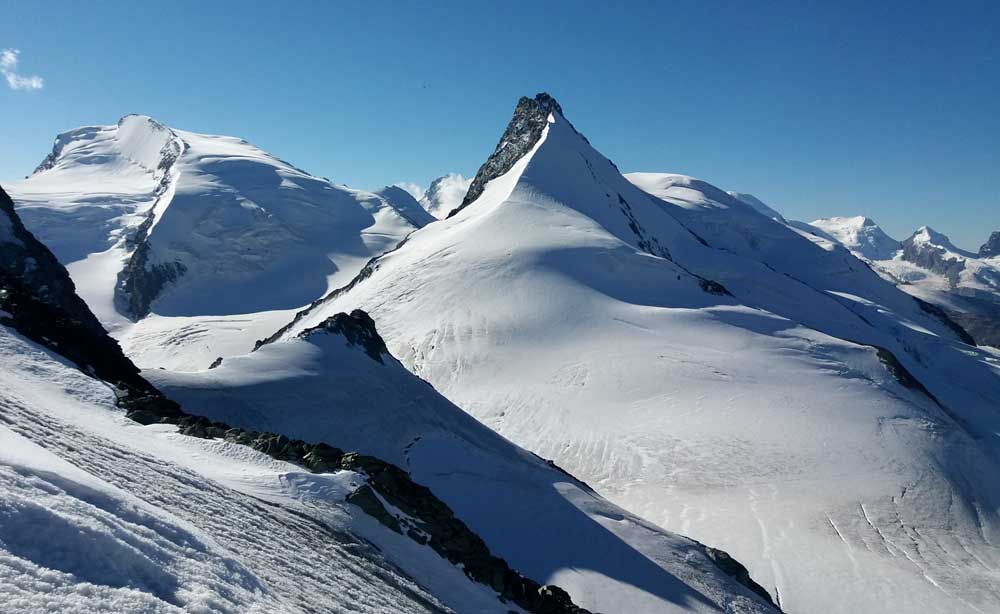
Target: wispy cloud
x=8 y=67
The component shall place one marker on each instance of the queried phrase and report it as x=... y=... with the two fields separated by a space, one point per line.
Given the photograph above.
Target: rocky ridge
x=523 y=131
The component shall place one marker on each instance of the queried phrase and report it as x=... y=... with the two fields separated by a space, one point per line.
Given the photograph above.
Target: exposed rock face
x=140 y=282
x=927 y=249
x=735 y=570
x=991 y=247
x=39 y=300
x=523 y=131
x=358 y=328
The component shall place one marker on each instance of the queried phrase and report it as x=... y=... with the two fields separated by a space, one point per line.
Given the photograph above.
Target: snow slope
x=209 y=525
x=143 y=519
x=539 y=519
x=710 y=369
x=173 y=237
x=759 y=205
x=100 y=514
x=445 y=194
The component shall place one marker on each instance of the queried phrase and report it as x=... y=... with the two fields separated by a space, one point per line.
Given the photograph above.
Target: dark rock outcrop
x=358 y=328
x=523 y=131
x=140 y=282
x=426 y=519
x=735 y=570
x=39 y=300
x=991 y=247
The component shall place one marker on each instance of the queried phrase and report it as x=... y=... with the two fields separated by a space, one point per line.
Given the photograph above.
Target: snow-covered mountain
x=707 y=367
x=929 y=266
x=217 y=517
x=100 y=514
x=174 y=237
x=445 y=194
x=861 y=235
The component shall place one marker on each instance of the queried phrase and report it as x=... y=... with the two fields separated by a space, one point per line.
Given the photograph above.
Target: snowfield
x=540 y=520
x=711 y=370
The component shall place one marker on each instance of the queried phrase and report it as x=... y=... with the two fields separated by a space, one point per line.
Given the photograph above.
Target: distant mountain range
x=927 y=265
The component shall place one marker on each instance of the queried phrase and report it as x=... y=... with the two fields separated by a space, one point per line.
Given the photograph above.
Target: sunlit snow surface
x=541 y=521
x=255 y=234
x=754 y=422
x=100 y=514
x=567 y=309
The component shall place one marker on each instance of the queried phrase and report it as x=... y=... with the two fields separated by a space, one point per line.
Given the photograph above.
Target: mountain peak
x=531 y=115
x=861 y=235
x=543 y=101
x=926 y=234
x=139 y=138
x=991 y=247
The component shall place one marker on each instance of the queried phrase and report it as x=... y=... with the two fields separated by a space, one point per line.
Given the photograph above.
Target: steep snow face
x=188 y=233
x=711 y=370
x=544 y=523
x=861 y=235
x=445 y=194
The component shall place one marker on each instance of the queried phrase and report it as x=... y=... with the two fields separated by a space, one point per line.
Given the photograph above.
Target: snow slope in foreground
x=99 y=514
x=188 y=233
x=540 y=520
x=709 y=369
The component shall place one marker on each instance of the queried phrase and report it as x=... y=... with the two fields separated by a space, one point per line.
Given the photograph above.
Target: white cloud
x=415 y=190
x=8 y=67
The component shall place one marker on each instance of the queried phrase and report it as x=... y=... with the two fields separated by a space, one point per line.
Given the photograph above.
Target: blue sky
x=818 y=108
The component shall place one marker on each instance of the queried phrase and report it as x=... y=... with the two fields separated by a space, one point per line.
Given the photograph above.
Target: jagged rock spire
x=523 y=131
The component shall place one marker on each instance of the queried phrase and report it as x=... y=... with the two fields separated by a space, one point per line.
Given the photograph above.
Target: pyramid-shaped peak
x=928 y=234
x=525 y=128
